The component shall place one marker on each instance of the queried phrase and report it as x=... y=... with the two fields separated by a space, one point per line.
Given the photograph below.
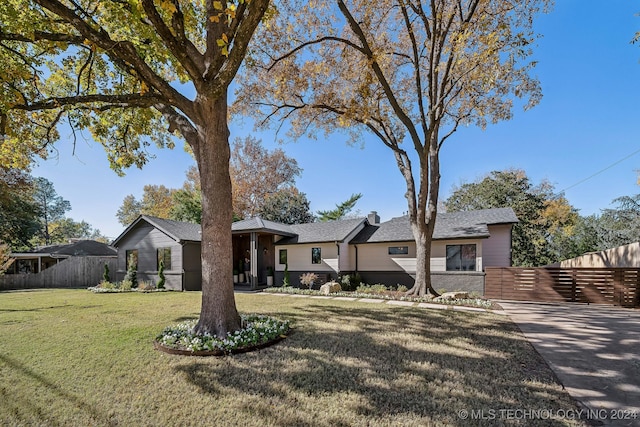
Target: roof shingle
x=451 y=225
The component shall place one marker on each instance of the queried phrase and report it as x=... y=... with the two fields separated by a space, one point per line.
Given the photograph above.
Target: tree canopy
x=257 y=172
x=51 y=206
x=121 y=70
x=547 y=220
x=287 y=206
x=157 y=200
x=19 y=214
x=406 y=71
x=341 y=210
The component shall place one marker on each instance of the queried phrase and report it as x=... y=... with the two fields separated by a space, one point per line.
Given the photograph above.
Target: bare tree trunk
x=218 y=314
x=422 y=286
x=424 y=217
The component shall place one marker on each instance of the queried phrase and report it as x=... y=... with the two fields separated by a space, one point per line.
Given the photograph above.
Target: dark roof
x=177 y=230
x=190 y=232
x=452 y=225
x=329 y=231
x=262 y=225
x=80 y=248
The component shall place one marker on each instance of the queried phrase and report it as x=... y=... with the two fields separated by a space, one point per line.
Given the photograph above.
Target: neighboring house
x=464 y=243
x=78 y=264
x=627 y=256
x=40 y=259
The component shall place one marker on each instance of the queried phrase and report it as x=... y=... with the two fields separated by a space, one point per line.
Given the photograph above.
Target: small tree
x=286 y=281
x=105 y=276
x=161 y=275
x=131 y=275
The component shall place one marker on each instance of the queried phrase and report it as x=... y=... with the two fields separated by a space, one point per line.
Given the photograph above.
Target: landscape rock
x=452 y=295
x=330 y=288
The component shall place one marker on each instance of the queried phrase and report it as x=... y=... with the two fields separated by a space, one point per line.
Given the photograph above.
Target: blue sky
x=588 y=120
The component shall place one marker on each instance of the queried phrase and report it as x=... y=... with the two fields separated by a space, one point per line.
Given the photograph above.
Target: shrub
x=307 y=279
x=126 y=285
x=371 y=289
x=105 y=274
x=105 y=284
x=161 y=278
x=146 y=286
x=357 y=279
x=402 y=288
x=286 y=281
x=351 y=281
x=131 y=275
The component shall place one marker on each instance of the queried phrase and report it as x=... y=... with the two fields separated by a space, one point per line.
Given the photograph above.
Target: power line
x=602 y=170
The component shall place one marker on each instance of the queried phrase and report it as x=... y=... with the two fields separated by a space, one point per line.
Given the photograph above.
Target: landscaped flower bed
x=387 y=295
x=110 y=288
x=258 y=331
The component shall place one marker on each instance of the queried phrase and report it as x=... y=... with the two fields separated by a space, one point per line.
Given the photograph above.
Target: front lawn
x=71 y=357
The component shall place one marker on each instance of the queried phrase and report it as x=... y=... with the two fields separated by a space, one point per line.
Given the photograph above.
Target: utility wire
x=602 y=170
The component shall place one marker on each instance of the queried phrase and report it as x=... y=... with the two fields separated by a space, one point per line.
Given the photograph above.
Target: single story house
x=78 y=264
x=463 y=244
x=39 y=259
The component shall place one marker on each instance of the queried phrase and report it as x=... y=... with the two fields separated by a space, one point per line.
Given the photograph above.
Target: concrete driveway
x=594 y=350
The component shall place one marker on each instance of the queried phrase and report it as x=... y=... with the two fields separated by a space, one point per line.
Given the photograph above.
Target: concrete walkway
x=594 y=350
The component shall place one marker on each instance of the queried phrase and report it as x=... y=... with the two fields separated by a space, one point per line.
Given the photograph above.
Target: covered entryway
x=254 y=249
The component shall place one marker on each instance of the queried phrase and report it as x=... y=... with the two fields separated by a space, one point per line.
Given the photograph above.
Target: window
x=398 y=250
x=283 y=256
x=316 y=256
x=164 y=255
x=131 y=255
x=461 y=257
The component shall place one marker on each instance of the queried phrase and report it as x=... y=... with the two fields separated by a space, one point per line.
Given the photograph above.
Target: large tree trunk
x=423 y=211
x=218 y=314
x=422 y=234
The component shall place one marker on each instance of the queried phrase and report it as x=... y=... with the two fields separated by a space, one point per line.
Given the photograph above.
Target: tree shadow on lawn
x=27 y=410
x=366 y=365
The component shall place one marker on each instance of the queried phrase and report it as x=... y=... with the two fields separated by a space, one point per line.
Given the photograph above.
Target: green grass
x=71 y=357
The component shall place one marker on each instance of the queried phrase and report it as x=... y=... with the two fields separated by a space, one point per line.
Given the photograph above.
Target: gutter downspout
x=338 y=248
x=356 y=247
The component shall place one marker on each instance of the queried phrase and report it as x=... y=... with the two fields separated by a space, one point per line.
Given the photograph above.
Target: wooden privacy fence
x=73 y=272
x=616 y=286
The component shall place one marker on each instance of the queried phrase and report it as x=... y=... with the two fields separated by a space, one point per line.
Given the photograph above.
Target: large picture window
x=283 y=256
x=398 y=250
x=131 y=255
x=164 y=255
x=316 y=256
x=461 y=257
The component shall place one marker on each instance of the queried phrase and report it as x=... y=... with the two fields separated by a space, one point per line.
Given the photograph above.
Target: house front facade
x=463 y=244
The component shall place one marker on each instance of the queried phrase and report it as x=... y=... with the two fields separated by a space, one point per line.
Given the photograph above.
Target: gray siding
x=192 y=267
x=147 y=240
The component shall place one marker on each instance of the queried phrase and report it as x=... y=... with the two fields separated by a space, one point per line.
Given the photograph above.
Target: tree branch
x=312 y=42
x=247 y=24
x=179 y=45
x=120 y=52
x=393 y=101
x=121 y=101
